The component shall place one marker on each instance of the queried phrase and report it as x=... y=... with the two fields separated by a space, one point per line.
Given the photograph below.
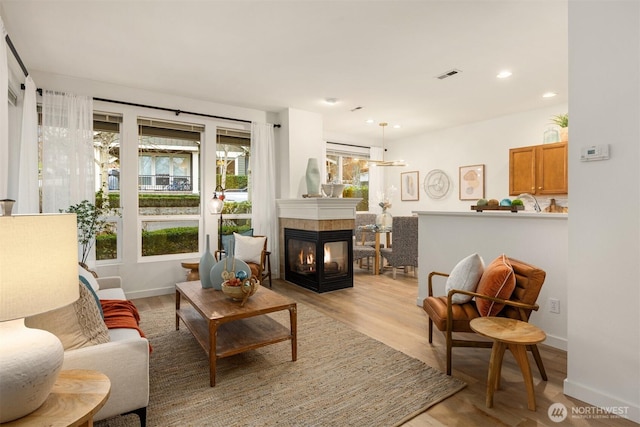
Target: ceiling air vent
x=449 y=73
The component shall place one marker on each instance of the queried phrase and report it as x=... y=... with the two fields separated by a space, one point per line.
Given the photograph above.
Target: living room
x=598 y=235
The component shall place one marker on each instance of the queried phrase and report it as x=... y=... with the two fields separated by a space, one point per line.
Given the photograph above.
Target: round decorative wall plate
x=437 y=184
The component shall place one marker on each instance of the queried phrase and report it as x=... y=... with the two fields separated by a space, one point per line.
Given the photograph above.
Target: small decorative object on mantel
x=7 y=207
x=312 y=178
x=503 y=205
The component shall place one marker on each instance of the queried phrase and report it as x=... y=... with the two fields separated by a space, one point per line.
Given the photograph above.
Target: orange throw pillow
x=498 y=281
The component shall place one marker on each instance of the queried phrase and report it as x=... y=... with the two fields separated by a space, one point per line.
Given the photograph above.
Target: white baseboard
x=151 y=292
x=597 y=399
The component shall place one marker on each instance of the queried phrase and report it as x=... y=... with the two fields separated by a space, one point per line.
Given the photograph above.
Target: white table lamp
x=38 y=273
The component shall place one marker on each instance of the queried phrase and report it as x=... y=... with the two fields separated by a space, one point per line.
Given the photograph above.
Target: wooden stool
x=194 y=266
x=516 y=335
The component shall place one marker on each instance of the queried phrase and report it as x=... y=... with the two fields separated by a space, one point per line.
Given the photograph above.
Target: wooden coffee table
x=223 y=328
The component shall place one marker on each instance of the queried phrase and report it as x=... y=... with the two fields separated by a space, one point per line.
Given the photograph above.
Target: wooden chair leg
x=538 y=359
x=430 y=331
x=449 y=345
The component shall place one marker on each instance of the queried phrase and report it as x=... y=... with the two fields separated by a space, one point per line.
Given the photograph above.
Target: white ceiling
x=270 y=55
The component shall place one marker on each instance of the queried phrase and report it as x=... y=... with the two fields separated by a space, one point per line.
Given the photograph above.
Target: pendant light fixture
x=384 y=162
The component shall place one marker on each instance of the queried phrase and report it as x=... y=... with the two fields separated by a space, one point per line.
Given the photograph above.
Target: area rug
x=341 y=378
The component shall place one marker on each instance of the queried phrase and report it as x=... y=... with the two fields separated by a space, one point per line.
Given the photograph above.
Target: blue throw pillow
x=95 y=296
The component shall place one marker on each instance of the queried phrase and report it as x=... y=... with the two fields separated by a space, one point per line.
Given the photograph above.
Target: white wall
x=303 y=141
x=604 y=226
x=485 y=142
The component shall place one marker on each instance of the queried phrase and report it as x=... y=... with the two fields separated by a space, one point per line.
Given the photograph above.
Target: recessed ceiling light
x=504 y=74
x=396 y=126
x=549 y=95
x=369 y=121
x=331 y=101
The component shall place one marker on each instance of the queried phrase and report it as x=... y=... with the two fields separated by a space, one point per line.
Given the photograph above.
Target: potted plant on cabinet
x=562 y=120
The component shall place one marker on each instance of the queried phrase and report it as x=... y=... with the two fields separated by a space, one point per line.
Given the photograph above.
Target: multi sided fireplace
x=319 y=260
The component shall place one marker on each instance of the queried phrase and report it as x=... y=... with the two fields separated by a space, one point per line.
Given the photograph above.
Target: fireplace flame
x=304 y=260
x=327 y=254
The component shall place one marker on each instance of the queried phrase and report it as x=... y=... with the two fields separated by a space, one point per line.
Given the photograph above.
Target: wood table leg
x=520 y=354
x=376 y=263
x=177 y=308
x=498 y=377
x=213 y=335
x=495 y=362
x=293 y=319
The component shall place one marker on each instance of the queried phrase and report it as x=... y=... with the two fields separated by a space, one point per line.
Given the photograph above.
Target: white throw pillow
x=89 y=278
x=248 y=248
x=465 y=276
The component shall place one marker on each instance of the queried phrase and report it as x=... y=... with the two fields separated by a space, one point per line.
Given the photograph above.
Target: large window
x=106 y=142
x=349 y=165
x=168 y=187
x=233 y=155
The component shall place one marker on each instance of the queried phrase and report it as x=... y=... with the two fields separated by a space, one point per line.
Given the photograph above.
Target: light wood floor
x=385 y=309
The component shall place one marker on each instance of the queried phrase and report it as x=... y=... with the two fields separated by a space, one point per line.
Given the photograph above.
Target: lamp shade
x=216 y=205
x=38 y=264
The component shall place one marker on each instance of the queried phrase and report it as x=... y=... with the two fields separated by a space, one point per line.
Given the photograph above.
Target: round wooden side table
x=194 y=273
x=76 y=397
x=515 y=335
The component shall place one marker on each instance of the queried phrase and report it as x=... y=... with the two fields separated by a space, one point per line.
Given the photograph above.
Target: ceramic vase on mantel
x=312 y=177
x=206 y=264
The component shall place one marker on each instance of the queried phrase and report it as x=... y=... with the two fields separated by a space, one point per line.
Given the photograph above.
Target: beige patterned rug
x=341 y=378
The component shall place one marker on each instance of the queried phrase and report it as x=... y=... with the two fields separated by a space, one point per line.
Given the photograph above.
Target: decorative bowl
x=332 y=190
x=242 y=291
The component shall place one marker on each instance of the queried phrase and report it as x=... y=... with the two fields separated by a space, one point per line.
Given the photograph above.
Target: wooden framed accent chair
x=404 y=244
x=507 y=287
x=253 y=251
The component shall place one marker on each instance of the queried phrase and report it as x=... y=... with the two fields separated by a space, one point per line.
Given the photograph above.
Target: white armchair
x=125 y=360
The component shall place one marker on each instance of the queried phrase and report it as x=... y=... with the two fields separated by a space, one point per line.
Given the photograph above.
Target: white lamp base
x=30 y=361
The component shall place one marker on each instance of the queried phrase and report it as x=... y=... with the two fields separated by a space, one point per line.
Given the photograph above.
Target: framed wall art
x=471 y=182
x=409 y=186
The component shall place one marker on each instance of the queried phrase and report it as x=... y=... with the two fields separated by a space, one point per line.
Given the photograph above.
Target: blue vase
x=206 y=264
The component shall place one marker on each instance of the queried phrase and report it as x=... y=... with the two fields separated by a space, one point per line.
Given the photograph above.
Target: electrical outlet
x=554 y=305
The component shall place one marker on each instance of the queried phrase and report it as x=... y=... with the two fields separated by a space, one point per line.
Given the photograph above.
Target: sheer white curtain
x=376 y=179
x=68 y=171
x=4 y=116
x=28 y=190
x=263 y=186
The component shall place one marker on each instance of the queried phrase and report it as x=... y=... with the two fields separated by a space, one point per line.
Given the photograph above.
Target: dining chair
x=364 y=237
x=404 y=244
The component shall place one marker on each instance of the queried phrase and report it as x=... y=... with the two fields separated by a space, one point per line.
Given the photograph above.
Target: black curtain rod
x=153 y=107
x=15 y=54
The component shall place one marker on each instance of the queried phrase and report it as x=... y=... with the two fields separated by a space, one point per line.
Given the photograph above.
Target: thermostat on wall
x=594 y=152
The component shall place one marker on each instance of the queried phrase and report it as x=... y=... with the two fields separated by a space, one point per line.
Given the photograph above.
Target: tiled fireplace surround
x=313 y=214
